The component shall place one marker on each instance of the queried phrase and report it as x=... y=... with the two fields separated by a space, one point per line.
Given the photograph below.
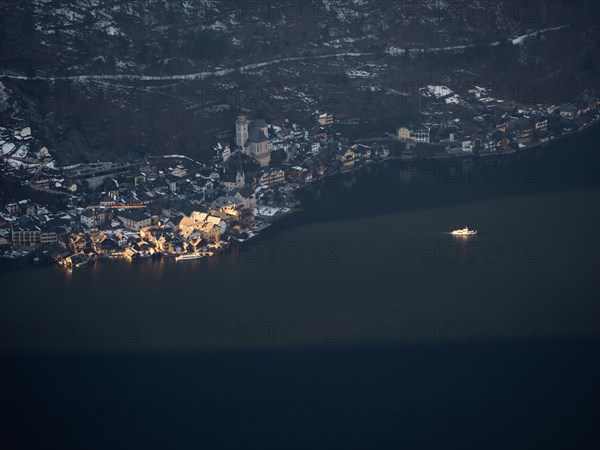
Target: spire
x=239 y=166
x=240 y=177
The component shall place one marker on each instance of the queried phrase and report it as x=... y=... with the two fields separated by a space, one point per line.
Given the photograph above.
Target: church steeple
x=241 y=131
x=240 y=177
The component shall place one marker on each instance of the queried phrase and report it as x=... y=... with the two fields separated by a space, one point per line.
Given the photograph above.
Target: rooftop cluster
x=173 y=205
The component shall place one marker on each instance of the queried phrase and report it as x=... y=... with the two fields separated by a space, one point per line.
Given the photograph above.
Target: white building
x=325 y=119
x=134 y=219
x=226 y=153
x=90 y=219
x=315 y=148
x=272 y=178
x=421 y=135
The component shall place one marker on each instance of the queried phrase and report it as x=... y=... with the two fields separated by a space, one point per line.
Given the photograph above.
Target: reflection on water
x=369 y=276
x=359 y=323
x=371 y=251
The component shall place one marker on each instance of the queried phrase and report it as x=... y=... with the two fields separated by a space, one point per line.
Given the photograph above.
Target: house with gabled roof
x=134 y=219
x=246 y=195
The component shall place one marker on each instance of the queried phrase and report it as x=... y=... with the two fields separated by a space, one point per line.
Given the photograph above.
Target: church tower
x=241 y=131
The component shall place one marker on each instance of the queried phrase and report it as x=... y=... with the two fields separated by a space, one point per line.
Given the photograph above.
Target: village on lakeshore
x=175 y=206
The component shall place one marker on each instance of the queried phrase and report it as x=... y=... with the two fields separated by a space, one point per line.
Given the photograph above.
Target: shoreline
x=447 y=156
x=266 y=223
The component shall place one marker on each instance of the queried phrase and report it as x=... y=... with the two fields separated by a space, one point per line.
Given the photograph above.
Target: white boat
x=464 y=232
x=189 y=256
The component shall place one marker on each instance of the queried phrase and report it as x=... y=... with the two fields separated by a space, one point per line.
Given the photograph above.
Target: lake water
x=359 y=322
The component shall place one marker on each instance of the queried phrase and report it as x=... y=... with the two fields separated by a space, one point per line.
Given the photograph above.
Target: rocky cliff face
x=117 y=79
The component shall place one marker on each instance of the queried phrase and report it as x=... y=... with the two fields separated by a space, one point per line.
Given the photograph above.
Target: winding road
x=392 y=51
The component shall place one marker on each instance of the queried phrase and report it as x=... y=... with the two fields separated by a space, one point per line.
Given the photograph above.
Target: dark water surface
x=356 y=323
